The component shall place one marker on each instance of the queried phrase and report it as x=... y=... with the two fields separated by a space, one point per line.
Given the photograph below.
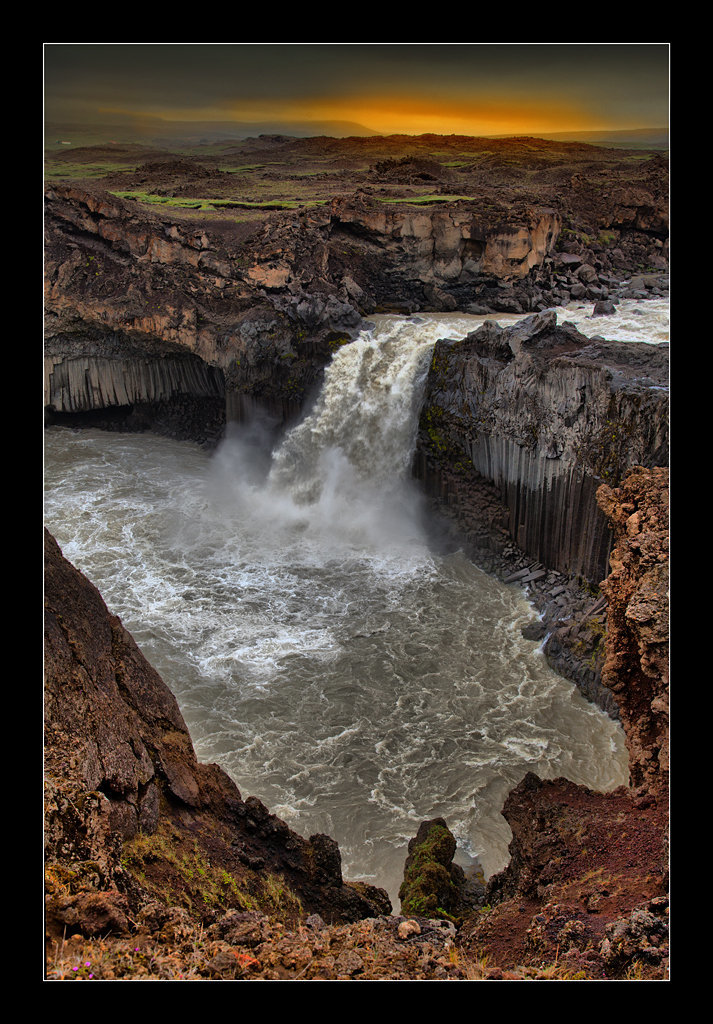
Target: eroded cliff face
x=134 y=824
x=140 y=310
x=443 y=258
x=587 y=881
x=544 y=414
x=636 y=667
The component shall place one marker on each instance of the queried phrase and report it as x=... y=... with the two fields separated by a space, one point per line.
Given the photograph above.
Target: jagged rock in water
x=433 y=886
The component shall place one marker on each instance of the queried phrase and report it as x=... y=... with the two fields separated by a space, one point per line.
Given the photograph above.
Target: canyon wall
x=587 y=884
x=544 y=415
x=636 y=669
x=263 y=304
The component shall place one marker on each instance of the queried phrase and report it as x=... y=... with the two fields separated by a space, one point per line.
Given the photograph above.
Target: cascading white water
x=352 y=678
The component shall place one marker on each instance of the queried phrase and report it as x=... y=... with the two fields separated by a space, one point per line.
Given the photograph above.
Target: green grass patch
x=426 y=200
x=179 y=873
x=150 y=199
x=241 y=169
x=153 y=200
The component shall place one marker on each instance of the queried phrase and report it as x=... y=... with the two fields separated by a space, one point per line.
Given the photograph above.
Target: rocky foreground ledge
x=157 y=868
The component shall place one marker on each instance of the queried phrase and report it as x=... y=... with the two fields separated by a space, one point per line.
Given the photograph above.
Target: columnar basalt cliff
x=136 y=303
x=519 y=428
x=546 y=414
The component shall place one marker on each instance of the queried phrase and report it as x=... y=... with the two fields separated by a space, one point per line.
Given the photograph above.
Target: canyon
x=543 y=449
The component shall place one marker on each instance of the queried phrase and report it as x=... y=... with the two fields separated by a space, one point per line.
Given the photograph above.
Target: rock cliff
x=545 y=414
x=519 y=428
x=587 y=881
x=636 y=589
x=134 y=824
x=143 y=309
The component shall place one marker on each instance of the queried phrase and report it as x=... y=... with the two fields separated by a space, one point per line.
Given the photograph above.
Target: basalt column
x=545 y=415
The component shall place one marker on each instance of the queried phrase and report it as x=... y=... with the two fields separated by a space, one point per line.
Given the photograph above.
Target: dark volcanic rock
x=545 y=415
x=433 y=886
x=131 y=815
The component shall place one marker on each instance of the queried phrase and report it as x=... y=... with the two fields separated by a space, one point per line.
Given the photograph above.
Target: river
x=332 y=661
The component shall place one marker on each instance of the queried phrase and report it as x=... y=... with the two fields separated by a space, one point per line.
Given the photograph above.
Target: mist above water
x=336 y=666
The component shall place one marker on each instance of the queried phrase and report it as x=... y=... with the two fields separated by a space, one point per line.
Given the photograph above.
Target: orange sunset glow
x=396 y=114
x=391 y=88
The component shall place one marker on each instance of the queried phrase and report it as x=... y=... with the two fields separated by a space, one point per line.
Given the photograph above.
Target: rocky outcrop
x=264 y=304
x=636 y=667
x=140 y=310
x=134 y=823
x=587 y=880
x=443 y=258
x=585 y=893
x=433 y=885
x=545 y=415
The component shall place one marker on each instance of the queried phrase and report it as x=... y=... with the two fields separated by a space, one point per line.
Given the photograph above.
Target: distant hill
x=156 y=131
x=633 y=138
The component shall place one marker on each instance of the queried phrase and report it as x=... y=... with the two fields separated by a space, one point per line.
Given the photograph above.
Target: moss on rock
x=428 y=889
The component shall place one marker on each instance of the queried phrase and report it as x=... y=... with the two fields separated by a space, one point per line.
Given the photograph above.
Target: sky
x=390 y=88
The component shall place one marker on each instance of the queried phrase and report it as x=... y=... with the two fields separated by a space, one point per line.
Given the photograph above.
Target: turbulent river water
x=322 y=651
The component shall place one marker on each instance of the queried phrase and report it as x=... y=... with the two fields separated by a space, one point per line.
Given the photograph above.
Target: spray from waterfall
x=341 y=477
x=337 y=667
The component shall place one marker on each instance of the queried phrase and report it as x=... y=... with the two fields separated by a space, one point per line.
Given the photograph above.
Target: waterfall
x=353 y=679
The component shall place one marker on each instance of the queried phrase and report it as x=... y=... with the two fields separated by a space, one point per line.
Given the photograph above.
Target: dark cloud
x=152 y=76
